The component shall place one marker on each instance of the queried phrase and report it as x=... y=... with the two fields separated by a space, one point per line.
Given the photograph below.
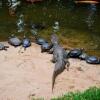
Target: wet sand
x=28 y=74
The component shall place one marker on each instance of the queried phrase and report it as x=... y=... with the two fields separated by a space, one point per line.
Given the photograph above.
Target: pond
x=79 y=24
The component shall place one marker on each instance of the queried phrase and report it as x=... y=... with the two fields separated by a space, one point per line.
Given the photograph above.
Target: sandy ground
x=27 y=75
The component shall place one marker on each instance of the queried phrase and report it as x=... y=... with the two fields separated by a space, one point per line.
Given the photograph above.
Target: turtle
x=3 y=47
x=14 y=41
x=45 y=47
x=75 y=53
x=83 y=56
x=93 y=60
x=26 y=43
x=41 y=41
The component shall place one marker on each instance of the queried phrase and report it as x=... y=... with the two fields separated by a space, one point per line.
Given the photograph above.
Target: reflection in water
x=20 y=23
x=90 y=20
x=13 y=4
x=56 y=27
x=0 y=4
x=95 y=43
x=71 y=5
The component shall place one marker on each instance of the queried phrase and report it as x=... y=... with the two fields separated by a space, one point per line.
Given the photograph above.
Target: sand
x=28 y=74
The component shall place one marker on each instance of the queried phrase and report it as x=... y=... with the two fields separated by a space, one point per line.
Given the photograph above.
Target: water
x=91 y=15
x=79 y=24
x=0 y=4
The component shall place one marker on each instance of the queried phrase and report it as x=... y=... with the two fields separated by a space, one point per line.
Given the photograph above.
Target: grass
x=92 y=93
x=89 y=94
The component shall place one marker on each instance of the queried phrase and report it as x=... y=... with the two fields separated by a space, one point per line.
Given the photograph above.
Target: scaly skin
x=59 y=59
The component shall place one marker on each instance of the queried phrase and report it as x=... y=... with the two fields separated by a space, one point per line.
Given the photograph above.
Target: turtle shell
x=93 y=60
x=14 y=41
x=45 y=47
x=41 y=41
x=26 y=42
x=75 y=53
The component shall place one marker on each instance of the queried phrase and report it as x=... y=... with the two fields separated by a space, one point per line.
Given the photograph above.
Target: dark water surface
x=74 y=30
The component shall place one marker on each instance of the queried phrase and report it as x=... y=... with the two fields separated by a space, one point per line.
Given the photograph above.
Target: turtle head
x=24 y=36
x=82 y=49
x=12 y=35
